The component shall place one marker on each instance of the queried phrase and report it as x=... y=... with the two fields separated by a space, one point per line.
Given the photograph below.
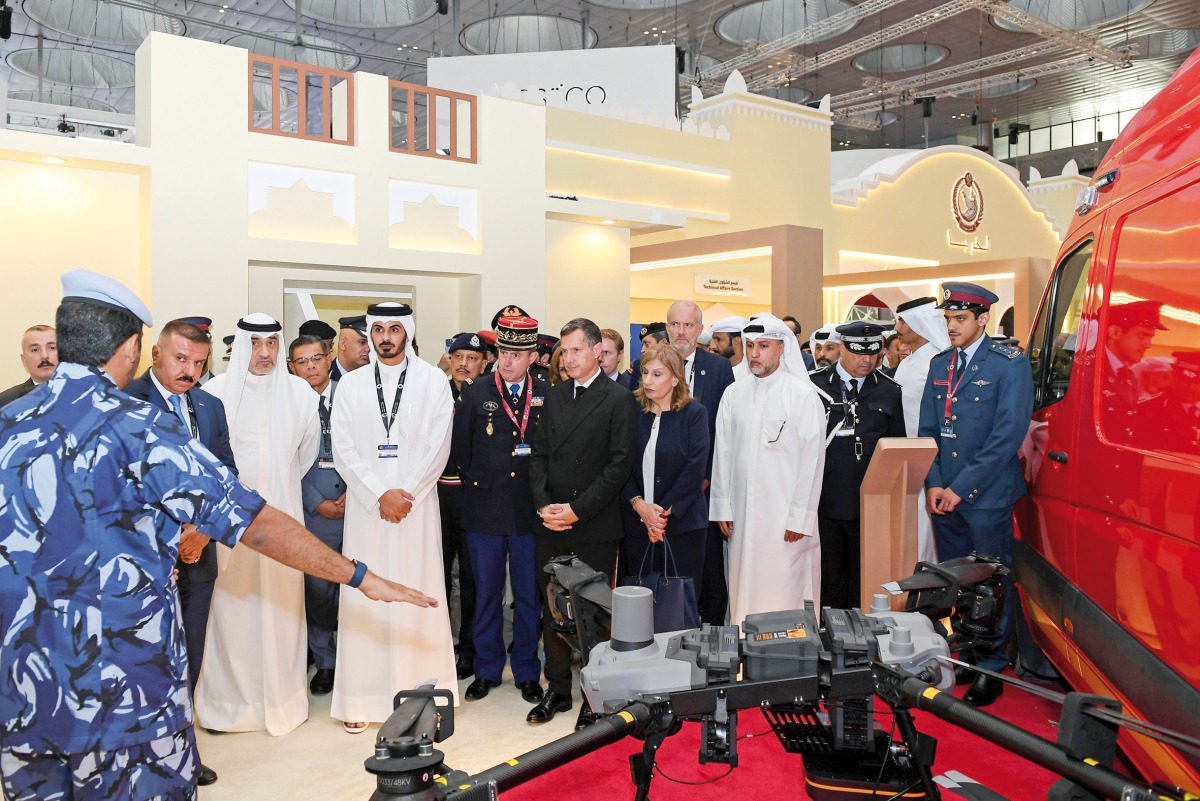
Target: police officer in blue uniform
x=977 y=404
x=493 y=431
x=323 y=493
x=862 y=405
x=93 y=673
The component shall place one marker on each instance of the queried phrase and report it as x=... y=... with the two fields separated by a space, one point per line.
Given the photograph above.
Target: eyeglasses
x=304 y=360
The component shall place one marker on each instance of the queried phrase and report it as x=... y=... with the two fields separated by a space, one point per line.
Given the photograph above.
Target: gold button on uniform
x=513 y=475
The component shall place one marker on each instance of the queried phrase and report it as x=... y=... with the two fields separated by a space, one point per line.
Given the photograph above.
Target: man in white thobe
x=766 y=478
x=922 y=326
x=826 y=346
x=391 y=439
x=254 y=674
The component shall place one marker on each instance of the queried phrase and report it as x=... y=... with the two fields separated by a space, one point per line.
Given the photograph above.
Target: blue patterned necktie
x=178 y=407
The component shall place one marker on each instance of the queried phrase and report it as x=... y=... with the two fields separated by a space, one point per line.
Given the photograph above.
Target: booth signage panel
x=722 y=284
x=640 y=78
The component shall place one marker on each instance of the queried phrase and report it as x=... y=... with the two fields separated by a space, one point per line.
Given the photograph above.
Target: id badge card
x=325 y=463
x=389 y=451
x=947 y=431
x=521 y=449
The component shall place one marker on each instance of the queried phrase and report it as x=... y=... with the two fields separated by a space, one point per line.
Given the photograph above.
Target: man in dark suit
x=494 y=424
x=611 y=355
x=178 y=361
x=324 y=496
x=582 y=455
x=708 y=375
x=862 y=405
x=977 y=404
x=39 y=357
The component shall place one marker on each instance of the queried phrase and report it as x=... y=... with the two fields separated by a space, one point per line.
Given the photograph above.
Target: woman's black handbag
x=674 y=596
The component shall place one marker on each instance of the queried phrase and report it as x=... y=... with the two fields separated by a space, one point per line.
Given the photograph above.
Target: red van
x=1108 y=554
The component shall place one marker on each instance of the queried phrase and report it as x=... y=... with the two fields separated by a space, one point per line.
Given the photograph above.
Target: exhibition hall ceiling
x=88 y=48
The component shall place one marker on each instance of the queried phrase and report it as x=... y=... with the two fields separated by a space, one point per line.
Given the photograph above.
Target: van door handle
x=1058 y=456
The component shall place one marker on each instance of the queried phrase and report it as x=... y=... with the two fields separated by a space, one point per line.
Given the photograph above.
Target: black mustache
x=187 y=379
x=46 y=363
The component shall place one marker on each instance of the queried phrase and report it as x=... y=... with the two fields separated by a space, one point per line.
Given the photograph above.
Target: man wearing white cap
x=766 y=478
x=391 y=440
x=922 y=326
x=254 y=675
x=93 y=672
x=727 y=341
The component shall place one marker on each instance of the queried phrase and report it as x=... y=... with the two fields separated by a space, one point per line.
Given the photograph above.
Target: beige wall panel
x=587 y=275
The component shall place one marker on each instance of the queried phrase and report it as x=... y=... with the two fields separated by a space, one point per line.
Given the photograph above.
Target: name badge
x=521 y=450
x=325 y=463
x=947 y=431
x=389 y=451
x=845 y=432
x=536 y=400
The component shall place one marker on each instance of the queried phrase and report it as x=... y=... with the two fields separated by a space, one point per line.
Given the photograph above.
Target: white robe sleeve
x=310 y=441
x=809 y=443
x=724 y=455
x=437 y=418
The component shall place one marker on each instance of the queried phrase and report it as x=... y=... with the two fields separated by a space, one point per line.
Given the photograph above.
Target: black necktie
x=962 y=358
x=851 y=393
x=579 y=389
x=326 y=439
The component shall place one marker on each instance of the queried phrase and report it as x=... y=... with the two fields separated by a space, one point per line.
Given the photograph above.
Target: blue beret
x=85 y=286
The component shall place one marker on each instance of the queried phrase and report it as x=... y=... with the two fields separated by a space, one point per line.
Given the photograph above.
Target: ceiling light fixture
x=53 y=160
x=608 y=222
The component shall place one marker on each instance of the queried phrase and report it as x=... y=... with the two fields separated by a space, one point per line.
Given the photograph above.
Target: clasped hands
x=726 y=527
x=191 y=544
x=654 y=518
x=941 y=500
x=332 y=510
x=557 y=516
x=394 y=505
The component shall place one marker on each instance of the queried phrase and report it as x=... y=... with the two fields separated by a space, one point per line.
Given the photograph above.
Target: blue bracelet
x=360 y=573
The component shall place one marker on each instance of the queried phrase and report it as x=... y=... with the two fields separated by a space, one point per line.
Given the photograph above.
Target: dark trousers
x=990 y=533
x=600 y=556
x=195 y=600
x=714 y=593
x=454 y=546
x=321 y=603
x=489 y=554
x=841 y=566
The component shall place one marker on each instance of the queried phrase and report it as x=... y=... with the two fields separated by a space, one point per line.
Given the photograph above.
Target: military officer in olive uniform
x=493 y=430
x=862 y=405
x=977 y=405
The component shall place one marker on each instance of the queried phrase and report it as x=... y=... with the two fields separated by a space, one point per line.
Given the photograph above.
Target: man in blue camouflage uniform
x=977 y=405
x=96 y=486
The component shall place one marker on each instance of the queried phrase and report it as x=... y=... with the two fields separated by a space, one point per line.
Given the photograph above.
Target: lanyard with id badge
x=522 y=447
x=388 y=450
x=947 y=431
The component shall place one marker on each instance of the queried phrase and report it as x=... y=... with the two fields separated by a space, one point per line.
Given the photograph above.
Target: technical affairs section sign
x=640 y=78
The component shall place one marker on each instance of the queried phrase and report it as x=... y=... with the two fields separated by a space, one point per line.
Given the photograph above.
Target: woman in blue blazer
x=665 y=492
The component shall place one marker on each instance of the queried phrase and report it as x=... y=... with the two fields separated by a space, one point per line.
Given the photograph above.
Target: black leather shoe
x=206 y=776
x=550 y=704
x=479 y=689
x=531 y=691
x=586 y=717
x=322 y=682
x=983 y=691
x=464 y=668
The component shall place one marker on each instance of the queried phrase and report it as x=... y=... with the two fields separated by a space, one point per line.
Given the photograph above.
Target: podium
x=888 y=510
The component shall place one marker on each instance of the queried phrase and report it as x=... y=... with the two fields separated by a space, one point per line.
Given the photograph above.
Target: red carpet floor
x=765 y=771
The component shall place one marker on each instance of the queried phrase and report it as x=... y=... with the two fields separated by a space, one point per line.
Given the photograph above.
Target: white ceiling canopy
x=367 y=13
x=639 y=5
x=1073 y=15
x=125 y=24
x=792 y=94
x=1167 y=43
x=768 y=20
x=59 y=98
x=524 y=33
x=900 y=58
x=342 y=59
x=81 y=68
x=1010 y=87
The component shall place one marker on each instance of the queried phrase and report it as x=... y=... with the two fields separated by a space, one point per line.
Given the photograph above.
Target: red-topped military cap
x=517 y=332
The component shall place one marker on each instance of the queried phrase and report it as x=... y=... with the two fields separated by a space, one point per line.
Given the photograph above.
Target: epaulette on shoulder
x=1005 y=350
x=944 y=352
x=469 y=380
x=886 y=377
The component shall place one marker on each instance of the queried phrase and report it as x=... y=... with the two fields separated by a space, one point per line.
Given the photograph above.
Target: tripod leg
x=923 y=757
x=641 y=766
